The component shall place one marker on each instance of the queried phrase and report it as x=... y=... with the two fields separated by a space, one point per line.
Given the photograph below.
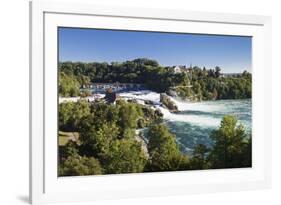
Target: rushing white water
x=182 y=106
x=206 y=121
x=195 y=120
x=195 y=106
x=142 y=95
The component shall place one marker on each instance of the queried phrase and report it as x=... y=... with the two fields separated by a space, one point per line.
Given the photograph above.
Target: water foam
x=154 y=97
x=211 y=110
x=196 y=106
x=206 y=121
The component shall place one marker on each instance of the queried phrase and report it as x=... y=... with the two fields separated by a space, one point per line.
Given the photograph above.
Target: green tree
x=217 y=71
x=230 y=145
x=71 y=114
x=70 y=149
x=129 y=113
x=199 y=157
x=125 y=156
x=80 y=110
x=215 y=94
x=197 y=90
x=68 y=85
x=97 y=140
x=65 y=112
x=164 y=151
x=104 y=113
x=75 y=165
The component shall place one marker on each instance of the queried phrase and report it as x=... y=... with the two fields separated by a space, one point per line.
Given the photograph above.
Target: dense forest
x=107 y=142
x=192 y=83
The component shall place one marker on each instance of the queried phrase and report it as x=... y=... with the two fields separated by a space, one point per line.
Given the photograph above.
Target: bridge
x=116 y=87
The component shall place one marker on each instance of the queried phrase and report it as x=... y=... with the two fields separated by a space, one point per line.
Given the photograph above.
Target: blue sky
x=231 y=53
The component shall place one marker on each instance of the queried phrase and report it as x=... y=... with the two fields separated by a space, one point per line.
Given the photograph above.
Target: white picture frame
x=46 y=187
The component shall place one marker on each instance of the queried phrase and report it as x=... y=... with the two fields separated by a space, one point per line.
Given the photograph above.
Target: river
x=196 y=120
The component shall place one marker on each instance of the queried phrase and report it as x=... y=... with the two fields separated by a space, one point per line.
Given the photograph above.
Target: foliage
x=199 y=157
x=107 y=133
x=129 y=113
x=164 y=151
x=107 y=146
x=192 y=83
x=231 y=147
x=98 y=140
x=75 y=165
x=226 y=88
x=107 y=143
x=71 y=113
x=69 y=149
x=125 y=156
x=68 y=85
x=85 y=93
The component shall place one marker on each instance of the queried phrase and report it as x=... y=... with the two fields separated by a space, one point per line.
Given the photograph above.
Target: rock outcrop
x=168 y=103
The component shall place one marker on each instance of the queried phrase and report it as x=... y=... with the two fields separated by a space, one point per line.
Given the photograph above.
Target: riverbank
x=194 y=121
x=192 y=112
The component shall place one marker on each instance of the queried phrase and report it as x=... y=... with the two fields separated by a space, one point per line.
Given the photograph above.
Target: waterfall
x=199 y=120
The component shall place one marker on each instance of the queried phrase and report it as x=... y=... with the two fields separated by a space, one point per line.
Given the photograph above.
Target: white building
x=177 y=69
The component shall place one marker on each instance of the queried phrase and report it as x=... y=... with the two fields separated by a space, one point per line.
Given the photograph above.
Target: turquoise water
x=194 y=123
